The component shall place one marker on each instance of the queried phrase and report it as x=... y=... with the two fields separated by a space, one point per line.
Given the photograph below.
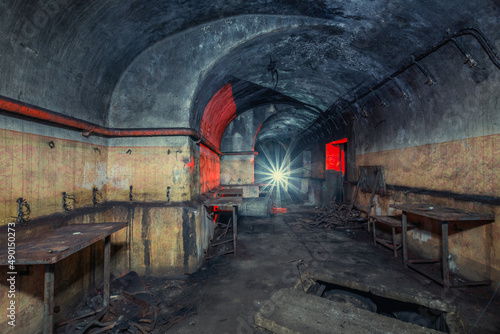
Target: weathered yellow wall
x=469 y=166
x=237 y=169
x=38 y=173
x=150 y=171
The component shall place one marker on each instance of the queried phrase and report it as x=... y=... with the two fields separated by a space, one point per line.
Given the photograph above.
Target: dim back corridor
x=227 y=292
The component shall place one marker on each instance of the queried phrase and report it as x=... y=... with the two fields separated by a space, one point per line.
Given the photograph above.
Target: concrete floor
x=225 y=294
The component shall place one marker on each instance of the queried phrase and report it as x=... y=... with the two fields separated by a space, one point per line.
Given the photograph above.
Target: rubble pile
x=133 y=308
x=337 y=215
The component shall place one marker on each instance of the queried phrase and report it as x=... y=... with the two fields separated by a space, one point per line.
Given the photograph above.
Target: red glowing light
x=218 y=113
x=334 y=150
x=275 y=210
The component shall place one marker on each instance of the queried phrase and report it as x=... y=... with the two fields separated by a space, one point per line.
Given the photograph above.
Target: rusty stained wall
x=31 y=169
x=468 y=166
x=237 y=169
x=160 y=240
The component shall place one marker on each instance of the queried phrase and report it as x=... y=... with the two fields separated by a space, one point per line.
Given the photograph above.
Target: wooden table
x=53 y=246
x=443 y=216
x=233 y=201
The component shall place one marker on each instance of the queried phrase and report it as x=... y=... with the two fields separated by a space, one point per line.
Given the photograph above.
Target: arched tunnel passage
x=273 y=171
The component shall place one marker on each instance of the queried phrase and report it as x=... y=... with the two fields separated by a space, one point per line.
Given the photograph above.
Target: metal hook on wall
x=68 y=201
x=96 y=196
x=429 y=80
x=23 y=210
x=403 y=94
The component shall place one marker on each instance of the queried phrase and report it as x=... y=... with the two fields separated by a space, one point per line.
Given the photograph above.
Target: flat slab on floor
x=292 y=311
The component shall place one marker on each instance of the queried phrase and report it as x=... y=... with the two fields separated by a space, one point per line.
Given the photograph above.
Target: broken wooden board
x=295 y=312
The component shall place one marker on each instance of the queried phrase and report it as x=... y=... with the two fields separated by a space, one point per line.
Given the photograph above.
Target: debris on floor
x=335 y=215
x=133 y=307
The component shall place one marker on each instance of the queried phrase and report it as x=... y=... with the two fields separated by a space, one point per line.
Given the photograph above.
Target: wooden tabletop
x=55 y=245
x=442 y=213
x=231 y=191
x=224 y=201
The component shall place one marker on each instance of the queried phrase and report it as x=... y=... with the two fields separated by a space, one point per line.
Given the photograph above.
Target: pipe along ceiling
x=120 y=67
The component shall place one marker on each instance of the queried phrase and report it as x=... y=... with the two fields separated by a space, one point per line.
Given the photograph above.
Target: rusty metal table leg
x=107 y=271
x=235 y=225
x=394 y=241
x=374 y=231
x=404 y=237
x=444 y=245
x=48 y=300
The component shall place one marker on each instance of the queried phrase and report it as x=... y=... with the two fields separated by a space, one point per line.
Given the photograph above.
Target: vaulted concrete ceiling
x=70 y=55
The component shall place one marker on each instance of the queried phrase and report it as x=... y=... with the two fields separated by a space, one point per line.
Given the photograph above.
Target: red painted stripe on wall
x=219 y=112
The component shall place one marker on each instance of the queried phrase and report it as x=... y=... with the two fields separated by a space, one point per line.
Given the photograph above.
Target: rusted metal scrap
x=132 y=311
x=337 y=215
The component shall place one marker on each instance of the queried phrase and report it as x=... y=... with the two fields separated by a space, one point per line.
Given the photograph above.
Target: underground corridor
x=257 y=166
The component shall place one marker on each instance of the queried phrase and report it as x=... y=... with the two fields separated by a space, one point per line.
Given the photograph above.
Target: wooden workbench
x=442 y=216
x=55 y=245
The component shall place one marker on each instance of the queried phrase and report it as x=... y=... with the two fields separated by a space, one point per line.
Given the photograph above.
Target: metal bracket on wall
x=468 y=58
x=429 y=80
x=23 y=210
x=68 y=201
x=483 y=41
x=343 y=119
x=403 y=94
x=363 y=112
x=96 y=196
x=382 y=102
x=353 y=112
x=130 y=194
